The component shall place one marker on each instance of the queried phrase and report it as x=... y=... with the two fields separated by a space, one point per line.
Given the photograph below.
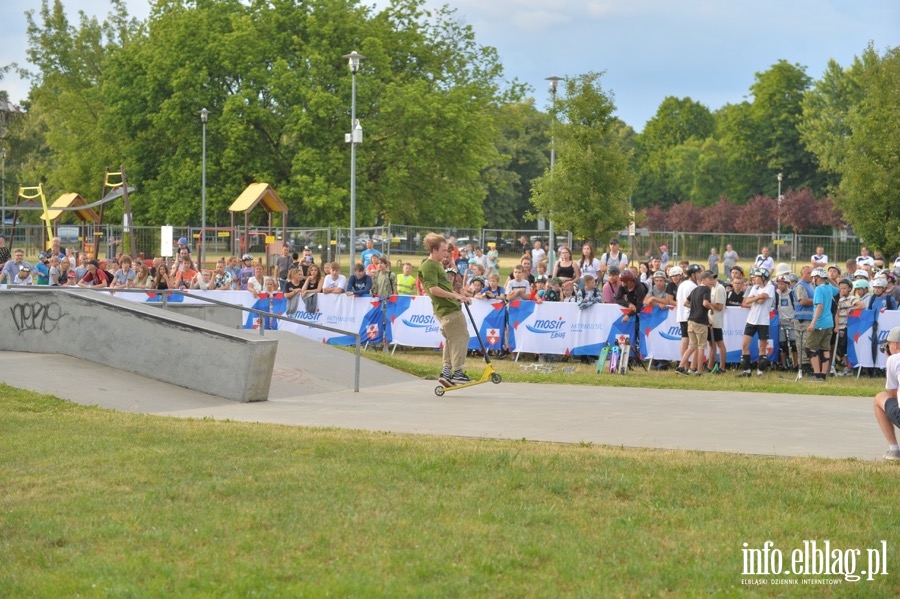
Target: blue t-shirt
x=367 y=254
x=824 y=295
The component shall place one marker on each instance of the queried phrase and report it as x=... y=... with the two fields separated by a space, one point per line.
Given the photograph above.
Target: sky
x=707 y=50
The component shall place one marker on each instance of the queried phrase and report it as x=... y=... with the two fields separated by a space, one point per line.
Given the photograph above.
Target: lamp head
x=353 y=60
x=554 y=80
x=779 y=177
x=204 y=115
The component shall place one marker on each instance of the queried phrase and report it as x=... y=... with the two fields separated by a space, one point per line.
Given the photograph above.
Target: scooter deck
x=601 y=361
x=489 y=375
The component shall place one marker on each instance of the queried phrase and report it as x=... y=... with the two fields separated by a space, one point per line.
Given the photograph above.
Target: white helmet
x=820 y=272
x=879 y=282
x=676 y=271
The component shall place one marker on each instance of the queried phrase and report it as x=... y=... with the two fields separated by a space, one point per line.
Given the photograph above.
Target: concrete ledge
x=204 y=356
x=227 y=317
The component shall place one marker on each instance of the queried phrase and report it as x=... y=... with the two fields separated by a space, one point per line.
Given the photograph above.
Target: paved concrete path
x=313 y=386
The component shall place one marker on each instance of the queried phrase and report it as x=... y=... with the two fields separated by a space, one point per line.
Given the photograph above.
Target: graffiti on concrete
x=37 y=316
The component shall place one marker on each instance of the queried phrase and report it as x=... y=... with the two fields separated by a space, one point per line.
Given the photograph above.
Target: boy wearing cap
x=23 y=277
x=658 y=294
x=887 y=412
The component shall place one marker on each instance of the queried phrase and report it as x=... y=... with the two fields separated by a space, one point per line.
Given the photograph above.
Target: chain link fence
x=333 y=243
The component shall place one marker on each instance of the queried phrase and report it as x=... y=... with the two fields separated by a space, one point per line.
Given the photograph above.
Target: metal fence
x=401 y=241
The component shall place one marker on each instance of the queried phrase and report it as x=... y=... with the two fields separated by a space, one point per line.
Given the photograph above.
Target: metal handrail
x=167 y=292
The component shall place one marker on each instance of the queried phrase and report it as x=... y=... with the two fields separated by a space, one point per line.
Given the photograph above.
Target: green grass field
x=100 y=503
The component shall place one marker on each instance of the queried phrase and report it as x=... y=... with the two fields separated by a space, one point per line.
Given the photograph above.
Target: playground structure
x=90 y=228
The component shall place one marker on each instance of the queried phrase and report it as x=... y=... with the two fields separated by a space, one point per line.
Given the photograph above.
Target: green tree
x=869 y=196
x=278 y=94
x=524 y=136
x=676 y=121
x=589 y=189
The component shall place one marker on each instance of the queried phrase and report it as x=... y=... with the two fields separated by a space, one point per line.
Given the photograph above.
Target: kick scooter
x=489 y=373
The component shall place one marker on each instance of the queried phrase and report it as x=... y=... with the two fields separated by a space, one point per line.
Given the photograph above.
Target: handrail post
x=356 y=374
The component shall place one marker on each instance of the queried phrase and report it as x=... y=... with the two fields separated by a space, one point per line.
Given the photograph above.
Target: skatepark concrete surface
x=312 y=385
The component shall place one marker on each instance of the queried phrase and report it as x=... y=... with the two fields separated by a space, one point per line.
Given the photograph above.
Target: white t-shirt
x=589 y=268
x=514 y=284
x=759 y=311
x=819 y=260
x=863 y=260
x=684 y=290
x=766 y=262
x=893 y=371
x=332 y=283
x=537 y=255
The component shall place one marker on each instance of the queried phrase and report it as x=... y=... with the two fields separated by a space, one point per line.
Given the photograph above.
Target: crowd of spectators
x=807 y=336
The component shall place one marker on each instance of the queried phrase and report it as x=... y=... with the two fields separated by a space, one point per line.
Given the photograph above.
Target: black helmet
x=693 y=268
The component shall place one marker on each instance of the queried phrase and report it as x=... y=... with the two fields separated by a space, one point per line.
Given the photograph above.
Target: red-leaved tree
x=720 y=216
x=686 y=217
x=759 y=215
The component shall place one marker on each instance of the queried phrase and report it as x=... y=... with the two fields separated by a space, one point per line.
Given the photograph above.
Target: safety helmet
x=860 y=284
x=820 y=272
x=861 y=273
x=879 y=282
x=246 y=257
x=759 y=271
x=694 y=268
x=676 y=271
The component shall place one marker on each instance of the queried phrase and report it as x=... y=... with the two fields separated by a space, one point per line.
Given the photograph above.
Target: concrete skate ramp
x=232 y=364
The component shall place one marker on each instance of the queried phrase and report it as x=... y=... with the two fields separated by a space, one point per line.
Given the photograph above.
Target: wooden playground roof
x=71 y=200
x=255 y=194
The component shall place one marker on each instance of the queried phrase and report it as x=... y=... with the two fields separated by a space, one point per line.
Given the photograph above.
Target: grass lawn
x=426 y=363
x=101 y=503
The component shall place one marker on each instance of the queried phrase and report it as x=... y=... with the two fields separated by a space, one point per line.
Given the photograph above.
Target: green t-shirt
x=432 y=274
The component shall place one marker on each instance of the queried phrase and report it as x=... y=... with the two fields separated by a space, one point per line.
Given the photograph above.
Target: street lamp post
x=551 y=251
x=353 y=138
x=204 y=116
x=778 y=250
x=3 y=176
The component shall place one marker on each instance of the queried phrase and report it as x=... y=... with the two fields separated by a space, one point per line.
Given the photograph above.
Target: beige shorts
x=697 y=334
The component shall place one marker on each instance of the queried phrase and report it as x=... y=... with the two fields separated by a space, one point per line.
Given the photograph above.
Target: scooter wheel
x=496 y=378
x=439 y=391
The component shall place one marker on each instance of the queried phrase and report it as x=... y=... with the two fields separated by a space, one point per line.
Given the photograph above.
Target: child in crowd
x=493 y=289
x=845 y=304
x=518 y=287
x=476 y=288
x=589 y=294
x=24 y=277
x=787 y=336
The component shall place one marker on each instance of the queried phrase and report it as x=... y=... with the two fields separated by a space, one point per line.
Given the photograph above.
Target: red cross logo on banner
x=493 y=336
x=372 y=331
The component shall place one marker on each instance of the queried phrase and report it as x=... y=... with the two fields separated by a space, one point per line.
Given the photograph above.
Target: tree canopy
x=589 y=188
